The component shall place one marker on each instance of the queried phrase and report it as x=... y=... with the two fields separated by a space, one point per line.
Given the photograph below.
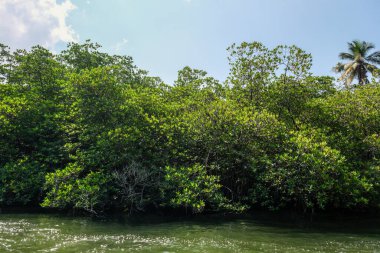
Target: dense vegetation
x=87 y=130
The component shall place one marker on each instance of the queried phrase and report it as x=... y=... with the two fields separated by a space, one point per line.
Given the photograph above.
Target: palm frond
x=354 y=48
x=370 y=67
x=361 y=48
x=367 y=46
x=346 y=56
x=338 y=68
x=374 y=57
x=352 y=45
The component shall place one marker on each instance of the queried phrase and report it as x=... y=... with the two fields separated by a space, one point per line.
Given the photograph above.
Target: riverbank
x=283 y=216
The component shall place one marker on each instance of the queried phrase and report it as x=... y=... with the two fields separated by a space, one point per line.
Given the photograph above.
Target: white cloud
x=25 y=23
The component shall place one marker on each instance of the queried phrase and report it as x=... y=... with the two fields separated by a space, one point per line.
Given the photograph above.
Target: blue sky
x=163 y=36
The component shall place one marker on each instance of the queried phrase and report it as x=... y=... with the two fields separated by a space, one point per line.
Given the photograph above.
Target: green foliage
x=291 y=100
x=350 y=117
x=61 y=187
x=18 y=181
x=235 y=141
x=307 y=174
x=69 y=190
x=191 y=187
x=255 y=68
x=87 y=56
x=90 y=131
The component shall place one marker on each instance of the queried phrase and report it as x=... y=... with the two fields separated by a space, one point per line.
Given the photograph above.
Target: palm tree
x=360 y=63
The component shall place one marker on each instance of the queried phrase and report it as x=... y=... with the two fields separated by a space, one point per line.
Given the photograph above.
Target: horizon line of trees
x=90 y=131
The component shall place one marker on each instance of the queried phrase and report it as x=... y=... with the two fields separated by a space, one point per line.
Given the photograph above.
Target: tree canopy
x=90 y=131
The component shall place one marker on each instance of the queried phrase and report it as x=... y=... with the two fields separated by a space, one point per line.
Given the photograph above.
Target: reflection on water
x=51 y=233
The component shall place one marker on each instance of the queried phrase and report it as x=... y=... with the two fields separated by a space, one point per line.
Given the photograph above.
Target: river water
x=54 y=233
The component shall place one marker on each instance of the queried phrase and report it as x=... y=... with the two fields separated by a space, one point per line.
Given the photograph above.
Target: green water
x=52 y=233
